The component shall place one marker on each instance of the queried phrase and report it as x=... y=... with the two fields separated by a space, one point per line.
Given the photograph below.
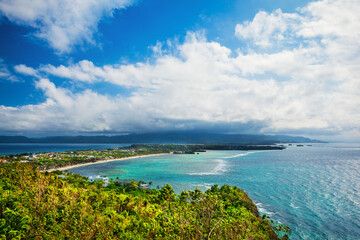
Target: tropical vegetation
x=58 y=205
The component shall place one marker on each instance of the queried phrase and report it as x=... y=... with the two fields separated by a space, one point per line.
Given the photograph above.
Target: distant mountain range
x=185 y=137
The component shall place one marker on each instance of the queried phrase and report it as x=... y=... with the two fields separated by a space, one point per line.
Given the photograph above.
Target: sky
x=131 y=66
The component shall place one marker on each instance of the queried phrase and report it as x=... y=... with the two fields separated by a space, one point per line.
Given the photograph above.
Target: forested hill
x=166 y=137
x=36 y=205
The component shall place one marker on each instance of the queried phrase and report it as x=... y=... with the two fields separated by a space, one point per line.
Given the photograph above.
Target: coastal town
x=51 y=160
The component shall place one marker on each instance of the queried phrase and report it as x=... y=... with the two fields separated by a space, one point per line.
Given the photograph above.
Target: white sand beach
x=103 y=161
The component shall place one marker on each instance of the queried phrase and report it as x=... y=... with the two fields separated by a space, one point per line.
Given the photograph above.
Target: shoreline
x=102 y=161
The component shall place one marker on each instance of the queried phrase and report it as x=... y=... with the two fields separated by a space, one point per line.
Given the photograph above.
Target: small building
x=98 y=177
x=144 y=186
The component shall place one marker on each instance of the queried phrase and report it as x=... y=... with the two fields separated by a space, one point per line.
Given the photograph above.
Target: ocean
x=313 y=189
x=17 y=148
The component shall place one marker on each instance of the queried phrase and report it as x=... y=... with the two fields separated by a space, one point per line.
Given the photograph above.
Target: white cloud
x=65 y=112
x=311 y=86
x=83 y=71
x=331 y=18
x=23 y=69
x=5 y=73
x=62 y=23
x=267 y=29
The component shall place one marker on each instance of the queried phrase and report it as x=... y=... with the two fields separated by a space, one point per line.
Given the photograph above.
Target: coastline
x=102 y=161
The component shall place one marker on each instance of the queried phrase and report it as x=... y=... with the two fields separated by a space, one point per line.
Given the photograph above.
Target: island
x=60 y=160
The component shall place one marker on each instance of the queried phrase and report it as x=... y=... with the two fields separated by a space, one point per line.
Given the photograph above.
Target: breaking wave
x=239 y=155
x=220 y=168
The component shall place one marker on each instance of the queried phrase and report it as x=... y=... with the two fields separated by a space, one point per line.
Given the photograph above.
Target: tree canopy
x=37 y=205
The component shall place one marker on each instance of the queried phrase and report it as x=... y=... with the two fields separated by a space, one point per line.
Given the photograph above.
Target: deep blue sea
x=313 y=189
x=17 y=148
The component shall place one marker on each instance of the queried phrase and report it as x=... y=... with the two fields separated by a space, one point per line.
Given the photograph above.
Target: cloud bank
x=301 y=75
x=61 y=23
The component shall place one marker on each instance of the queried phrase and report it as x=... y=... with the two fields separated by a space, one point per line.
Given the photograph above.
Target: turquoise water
x=17 y=148
x=315 y=190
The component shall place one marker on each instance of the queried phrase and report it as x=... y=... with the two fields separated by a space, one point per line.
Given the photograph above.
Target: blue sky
x=81 y=67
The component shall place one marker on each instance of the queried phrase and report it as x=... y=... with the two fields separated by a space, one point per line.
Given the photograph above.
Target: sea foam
x=239 y=155
x=220 y=168
x=262 y=209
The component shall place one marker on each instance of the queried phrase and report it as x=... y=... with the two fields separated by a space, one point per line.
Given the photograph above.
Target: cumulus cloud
x=311 y=86
x=330 y=20
x=62 y=23
x=86 y=111
x=267 y=29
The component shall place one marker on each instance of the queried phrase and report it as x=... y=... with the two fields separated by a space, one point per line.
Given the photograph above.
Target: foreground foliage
x=36 y=205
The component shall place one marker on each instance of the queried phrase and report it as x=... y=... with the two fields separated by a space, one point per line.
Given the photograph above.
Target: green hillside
x=36 y=205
